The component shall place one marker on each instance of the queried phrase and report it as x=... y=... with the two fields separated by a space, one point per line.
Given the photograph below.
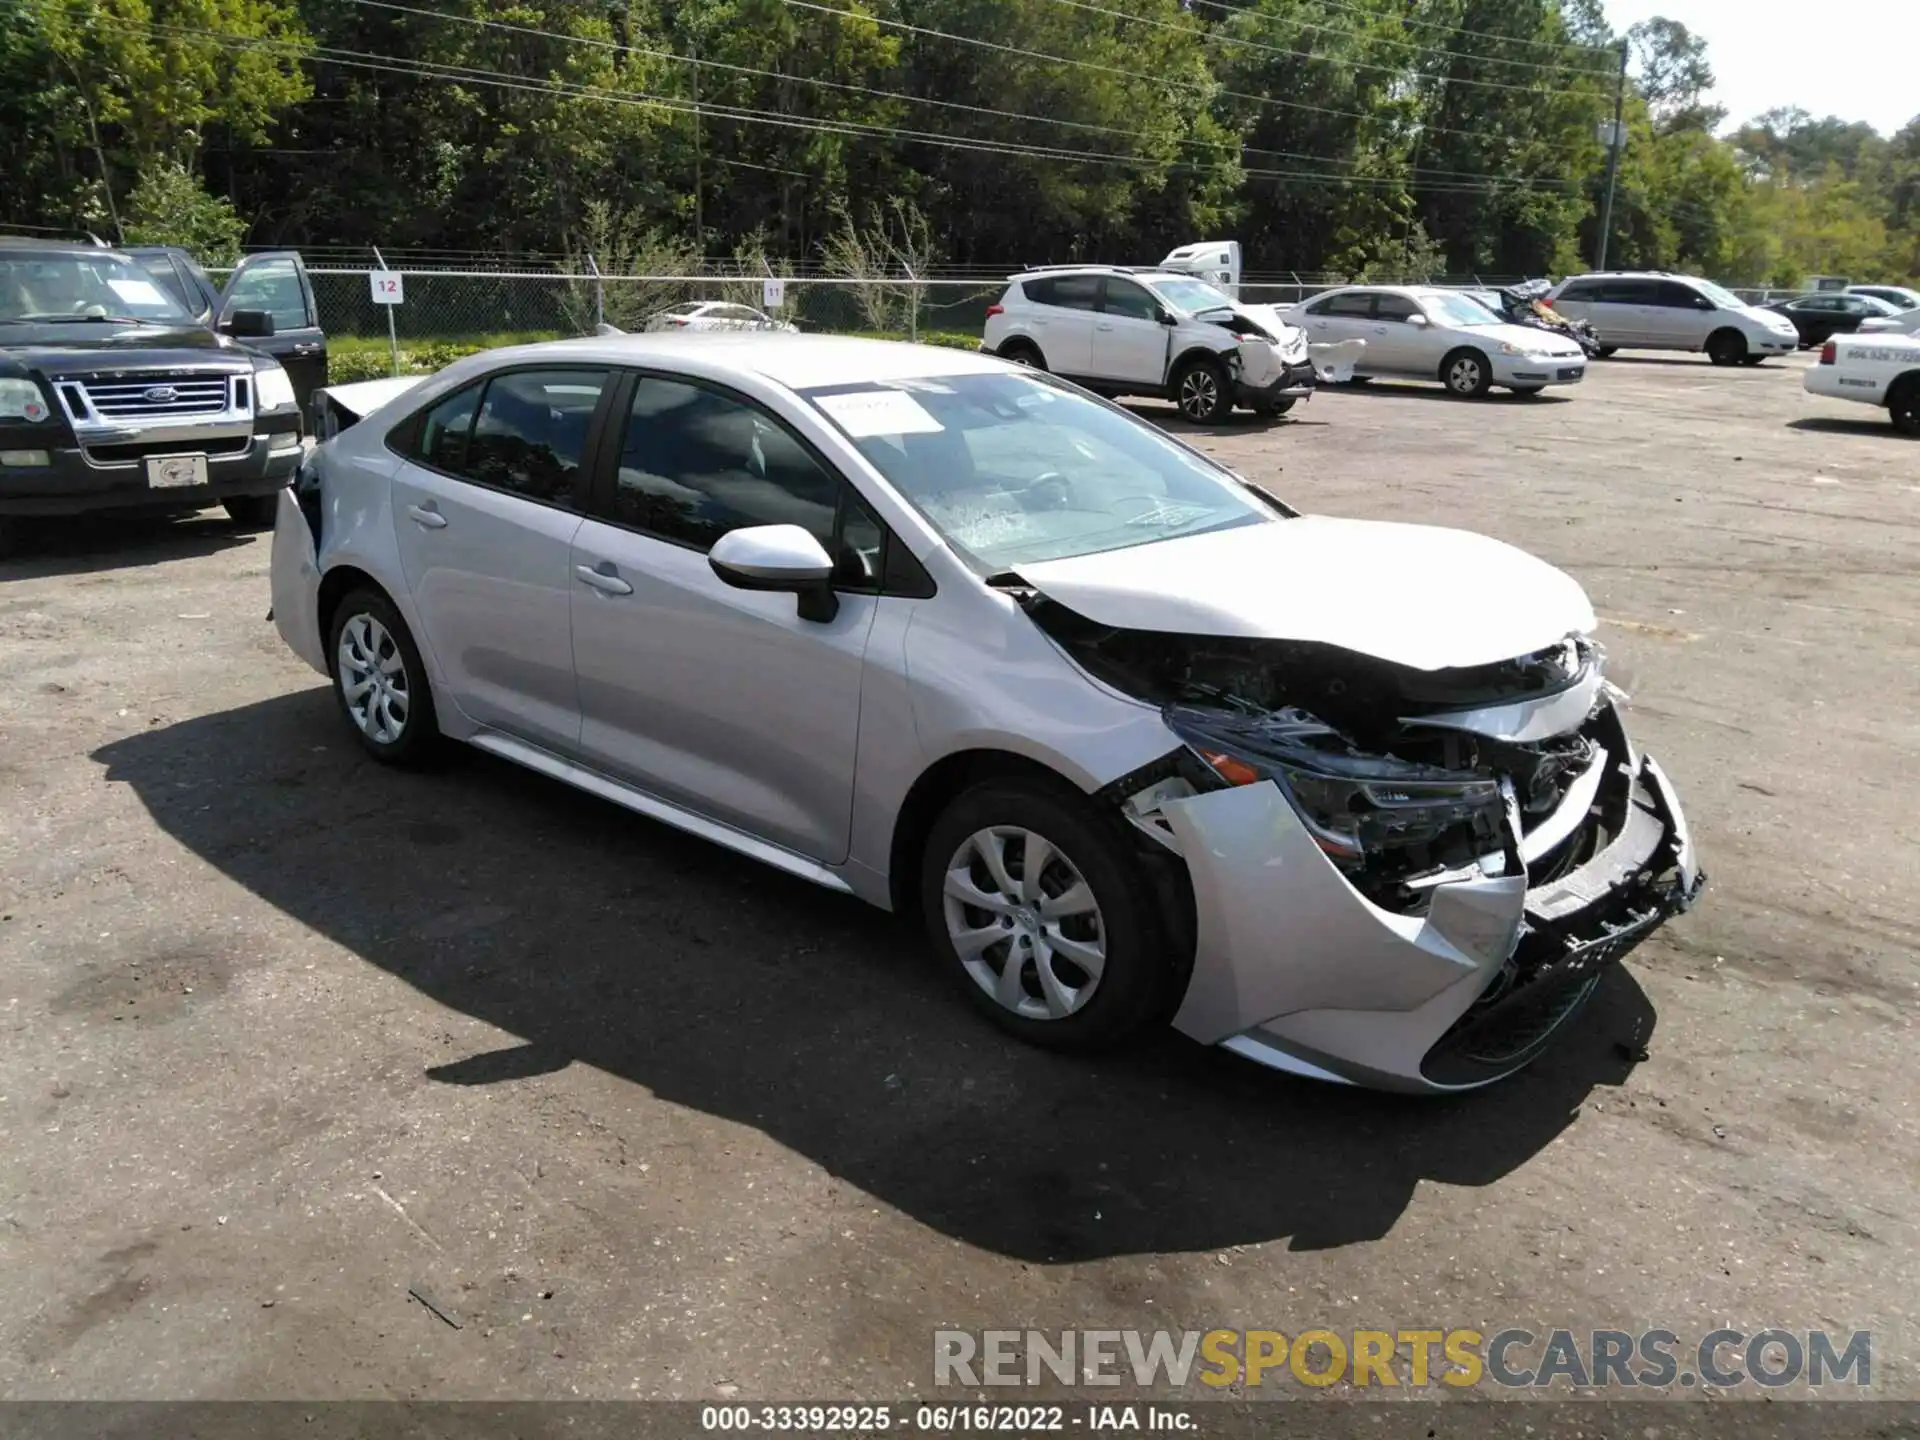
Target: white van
x=1650 y=311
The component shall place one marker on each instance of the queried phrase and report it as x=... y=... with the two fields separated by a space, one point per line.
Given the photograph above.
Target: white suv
x=1674 y=312
x=1146 y=332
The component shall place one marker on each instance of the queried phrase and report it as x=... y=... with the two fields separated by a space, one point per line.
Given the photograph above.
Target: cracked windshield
x=1013 y=469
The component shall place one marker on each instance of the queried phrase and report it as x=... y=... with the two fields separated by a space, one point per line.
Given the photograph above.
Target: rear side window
x=531 y=432
x=1069 y=292
x=1349 y=302
x=441 y=441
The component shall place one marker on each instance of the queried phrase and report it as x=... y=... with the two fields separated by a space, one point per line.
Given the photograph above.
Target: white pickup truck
x=1875 y=370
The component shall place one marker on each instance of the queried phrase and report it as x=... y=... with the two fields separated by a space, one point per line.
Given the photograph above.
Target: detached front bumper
x=1296 y=969
x=1293 y=382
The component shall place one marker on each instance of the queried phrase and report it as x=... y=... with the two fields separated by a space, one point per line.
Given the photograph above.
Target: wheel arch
x=344 y=577
x=1194 y=350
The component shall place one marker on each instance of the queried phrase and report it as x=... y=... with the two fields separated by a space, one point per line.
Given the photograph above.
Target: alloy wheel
x=373 y=679
x=1199 y=393
x=1024 y=922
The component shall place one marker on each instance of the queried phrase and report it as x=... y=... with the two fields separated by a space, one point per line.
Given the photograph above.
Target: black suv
x=129 y=382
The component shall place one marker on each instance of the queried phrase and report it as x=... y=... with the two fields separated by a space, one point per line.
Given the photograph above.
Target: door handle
x=425 y=518
x=309 y=348
x=1103 y=327
x=603 y=582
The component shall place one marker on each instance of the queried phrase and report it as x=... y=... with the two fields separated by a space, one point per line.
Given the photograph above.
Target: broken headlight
x=1392 y=818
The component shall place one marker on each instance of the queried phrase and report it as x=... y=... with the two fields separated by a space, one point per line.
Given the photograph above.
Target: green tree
x=169 y=206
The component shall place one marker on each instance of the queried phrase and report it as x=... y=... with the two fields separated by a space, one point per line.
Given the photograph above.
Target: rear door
x=1065 y=309
x=1129 y=342
x=485 y=506
x=276 y=281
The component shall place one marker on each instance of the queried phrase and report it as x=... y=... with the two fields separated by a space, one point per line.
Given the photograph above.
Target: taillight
x=676 y=320
x=993 y=310
x=1827 y=352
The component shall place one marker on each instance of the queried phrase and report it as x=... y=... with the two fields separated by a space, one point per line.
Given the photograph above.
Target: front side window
x=1130 y=300
x=1456 y=310
x=273 y=286
x=531 y=432
x=169 y=278
x=1577 y=290
x=1018 y=468
x=1394 y=307
x=696 y=463
x=1723 y=298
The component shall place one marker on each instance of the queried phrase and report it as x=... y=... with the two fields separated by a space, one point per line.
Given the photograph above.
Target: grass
x=367 y=357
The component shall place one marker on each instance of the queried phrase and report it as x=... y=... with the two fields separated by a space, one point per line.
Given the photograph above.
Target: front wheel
x=1200 y=389
x=379 y=680
x=1726 y=347
x=252 y=512
x=1467 y=374
x=1040 y=917
x=1607 y=352
x=1274 y=409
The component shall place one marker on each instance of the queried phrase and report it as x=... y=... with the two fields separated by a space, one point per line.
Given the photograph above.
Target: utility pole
x=699 y=225
x=1618 y=139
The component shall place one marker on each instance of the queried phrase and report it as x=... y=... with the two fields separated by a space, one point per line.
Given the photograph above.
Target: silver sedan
x=1134 y=741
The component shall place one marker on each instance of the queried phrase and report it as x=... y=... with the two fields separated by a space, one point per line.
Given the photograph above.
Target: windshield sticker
x=138 y=292
x=868 y=413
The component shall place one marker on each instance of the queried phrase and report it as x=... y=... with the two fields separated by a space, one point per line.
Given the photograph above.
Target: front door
x=1399 y=345
x=276 y=281
x=1129 y=342
x=484 y=513
x=1344 y=315
x=725 y=701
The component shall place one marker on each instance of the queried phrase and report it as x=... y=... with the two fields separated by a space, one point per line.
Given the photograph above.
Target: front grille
x=142 y=450
x=155 y=397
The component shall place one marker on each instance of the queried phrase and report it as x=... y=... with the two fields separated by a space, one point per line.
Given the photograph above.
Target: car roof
x=1131 y=272
x=19 y=245
x=794 y=361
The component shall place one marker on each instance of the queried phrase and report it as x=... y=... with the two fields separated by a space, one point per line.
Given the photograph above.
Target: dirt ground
x=288 y=1037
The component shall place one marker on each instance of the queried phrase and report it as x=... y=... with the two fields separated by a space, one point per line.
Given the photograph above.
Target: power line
x=1218 y=38
x=854 y=129
x=1208 y=91
x=926 y=100
x=1446 y=25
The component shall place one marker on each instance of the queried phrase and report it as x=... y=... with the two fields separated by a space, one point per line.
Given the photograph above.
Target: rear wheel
x=1607 y=352
x=1041 y=918
x=1903 y=404
x=252 y=512
x=1467 y=374
x=1200 y=390
x=1727 y=347
x=1022 y=353
x=1273 y=409
x=379 y=680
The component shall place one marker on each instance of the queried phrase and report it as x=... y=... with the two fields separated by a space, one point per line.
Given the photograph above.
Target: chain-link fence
x=446 y=312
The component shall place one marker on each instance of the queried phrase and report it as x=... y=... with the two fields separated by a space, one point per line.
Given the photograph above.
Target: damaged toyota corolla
x=1136 y=741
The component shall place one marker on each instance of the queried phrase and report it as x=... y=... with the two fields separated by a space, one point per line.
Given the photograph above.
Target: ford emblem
x=160 y=394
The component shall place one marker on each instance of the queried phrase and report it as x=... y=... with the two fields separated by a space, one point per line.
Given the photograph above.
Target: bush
x=169 y=207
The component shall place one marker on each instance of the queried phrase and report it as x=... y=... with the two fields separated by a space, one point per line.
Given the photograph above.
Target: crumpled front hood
x=1416 y=595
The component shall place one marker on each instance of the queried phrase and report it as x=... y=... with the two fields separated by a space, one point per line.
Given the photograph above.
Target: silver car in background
x=1133 y=740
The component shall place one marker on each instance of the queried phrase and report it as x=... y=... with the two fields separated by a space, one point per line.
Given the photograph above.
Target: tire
x=1753 y=359
x=1528 y=392
x=1080 y=1009
x=1466 y=373
x=1274 y=409
x=1021 y=352
x=1726 y=347
x=1903 y=405
x=366 y=627
x=10 y=539
x=252 y=512
x=1607 y=352
x=1202 y=391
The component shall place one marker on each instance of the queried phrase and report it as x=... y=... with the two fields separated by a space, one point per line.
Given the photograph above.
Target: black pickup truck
x=128 y=381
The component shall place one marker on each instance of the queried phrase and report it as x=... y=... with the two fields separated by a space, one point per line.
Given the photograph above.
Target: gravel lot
x=287 y=1036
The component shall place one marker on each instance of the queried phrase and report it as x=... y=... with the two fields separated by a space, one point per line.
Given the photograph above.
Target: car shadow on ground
x=82 y=544
x=1831 y=425
x=1239 y=422
x=1418 y=390
x=601 y=939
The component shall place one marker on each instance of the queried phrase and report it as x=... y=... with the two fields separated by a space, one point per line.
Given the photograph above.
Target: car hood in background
x=1526 y=338
x=360 y=398
x=1414 y=595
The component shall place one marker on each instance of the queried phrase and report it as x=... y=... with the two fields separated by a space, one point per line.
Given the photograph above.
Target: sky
x=1858 y=59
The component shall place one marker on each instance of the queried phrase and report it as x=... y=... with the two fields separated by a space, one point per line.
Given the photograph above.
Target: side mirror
x=1165 y=317
x=779 y=558
x=1701 y=302
x=1420 y=320
x=248 y=324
